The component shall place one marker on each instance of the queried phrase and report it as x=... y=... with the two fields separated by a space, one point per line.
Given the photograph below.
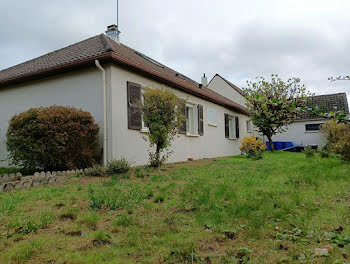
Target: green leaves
x=162 y=112
x=274 y=104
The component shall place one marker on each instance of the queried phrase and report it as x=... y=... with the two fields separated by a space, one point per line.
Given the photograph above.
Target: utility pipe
x=105 y=138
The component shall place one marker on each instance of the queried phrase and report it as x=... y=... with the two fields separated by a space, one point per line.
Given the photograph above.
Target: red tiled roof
x=327 y=103
x=84 y=54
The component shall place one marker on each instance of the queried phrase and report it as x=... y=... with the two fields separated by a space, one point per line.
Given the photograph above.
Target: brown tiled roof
x=239 y=90
x=327 y=103
x=84 y=54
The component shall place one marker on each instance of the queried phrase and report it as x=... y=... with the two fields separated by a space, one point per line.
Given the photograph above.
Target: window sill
x=213 y=125
x=144 y=130
x=232 y=138
x=316 y=131
x=192 y=135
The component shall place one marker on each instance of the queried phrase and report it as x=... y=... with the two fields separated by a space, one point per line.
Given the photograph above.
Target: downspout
x=105 y=138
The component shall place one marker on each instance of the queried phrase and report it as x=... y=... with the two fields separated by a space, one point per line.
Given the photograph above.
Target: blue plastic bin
x=287 y=144
x=278 y=145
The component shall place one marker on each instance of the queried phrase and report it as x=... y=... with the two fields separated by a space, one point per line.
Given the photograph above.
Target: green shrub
x=96 y=171
x=309 y=152
x=338 y=138
x=53 y=138
x=324 y=153
x=253 y=146
x=118 y=166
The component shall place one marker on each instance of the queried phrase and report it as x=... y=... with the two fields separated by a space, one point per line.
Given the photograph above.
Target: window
x=232 y=130
x=194 y=119
x=212 y=117
x=313 y=127
x=231 y=127
x=190 y=119
x=249 y=126
x=144 y=127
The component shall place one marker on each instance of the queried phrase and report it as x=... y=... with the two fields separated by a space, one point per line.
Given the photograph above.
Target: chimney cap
x=113 y=32
x=204 y=80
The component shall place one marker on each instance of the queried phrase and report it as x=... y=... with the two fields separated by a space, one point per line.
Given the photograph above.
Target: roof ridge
x=341 y=93
x=239 y=90
x=106 y=43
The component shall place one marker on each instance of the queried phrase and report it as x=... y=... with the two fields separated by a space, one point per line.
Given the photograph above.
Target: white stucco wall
x=130 y=143
x=81 y=89
x=217 y=84
x=297 y=134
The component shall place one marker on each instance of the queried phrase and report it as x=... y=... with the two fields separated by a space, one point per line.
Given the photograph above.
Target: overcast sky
x=237 y=39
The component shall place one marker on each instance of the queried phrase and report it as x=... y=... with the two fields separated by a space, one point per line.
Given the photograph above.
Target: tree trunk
x=271 y=144
x=158 y=156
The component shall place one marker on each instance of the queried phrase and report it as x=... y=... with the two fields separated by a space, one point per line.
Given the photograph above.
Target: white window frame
x=249 y=126
x=192 y=125
x=144 y=128
x=232 y=128
x=213 y=111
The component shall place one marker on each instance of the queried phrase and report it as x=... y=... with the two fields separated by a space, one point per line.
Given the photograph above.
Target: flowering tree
x=274 y=104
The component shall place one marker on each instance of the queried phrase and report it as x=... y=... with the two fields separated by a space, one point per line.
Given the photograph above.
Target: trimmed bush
x=118 y=166
x=53 y=138
x=253 y=146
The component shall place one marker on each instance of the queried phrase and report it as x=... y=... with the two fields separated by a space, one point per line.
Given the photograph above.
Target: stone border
x=10 y=182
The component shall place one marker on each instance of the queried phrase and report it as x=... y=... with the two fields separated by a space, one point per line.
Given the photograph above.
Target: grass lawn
x=228 y=210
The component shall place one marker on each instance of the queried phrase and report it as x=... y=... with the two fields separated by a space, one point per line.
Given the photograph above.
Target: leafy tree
x=161 y=111
x=274 y=104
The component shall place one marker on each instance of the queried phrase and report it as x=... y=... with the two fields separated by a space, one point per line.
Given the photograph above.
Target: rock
x=37 y=174
x=19 y=185
x=48 y=174
x=323 y=252
x=1 y=187
x=59 y=173
x=36 y=183
x=9 y=187
x=18 y=176
x=51 y=179
x=54 y=174
x=12 y=177
x=27 y=184
x=43 y=174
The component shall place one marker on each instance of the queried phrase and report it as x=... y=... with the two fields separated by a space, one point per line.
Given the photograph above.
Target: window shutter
x=134 y=113
x=182 y=106
x=200 y=120
x=227 y=128
x=237 y=126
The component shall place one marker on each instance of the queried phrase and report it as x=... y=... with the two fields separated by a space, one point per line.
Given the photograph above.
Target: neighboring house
x=227 y=89
x=72 y=76
x=306 y=129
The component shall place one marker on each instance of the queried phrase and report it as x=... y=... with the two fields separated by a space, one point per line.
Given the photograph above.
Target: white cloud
x=238 y=39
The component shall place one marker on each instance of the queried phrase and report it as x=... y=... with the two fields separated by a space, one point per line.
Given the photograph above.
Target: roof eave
x=112 y=57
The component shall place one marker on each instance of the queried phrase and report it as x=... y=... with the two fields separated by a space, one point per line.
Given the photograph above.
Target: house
x=104 y=77
x=305 y=130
